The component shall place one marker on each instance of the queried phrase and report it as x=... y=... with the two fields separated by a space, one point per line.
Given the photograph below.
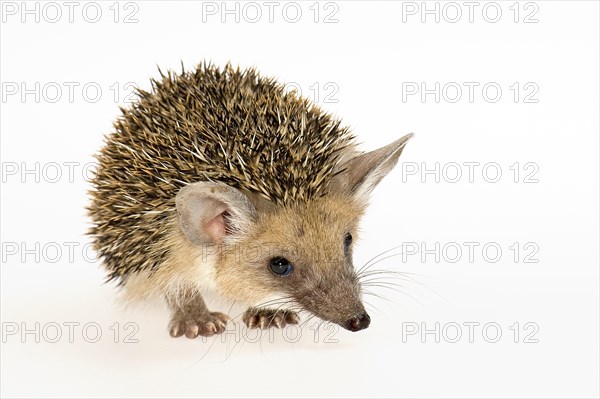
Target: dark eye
x=280 y=266
x=347 y=240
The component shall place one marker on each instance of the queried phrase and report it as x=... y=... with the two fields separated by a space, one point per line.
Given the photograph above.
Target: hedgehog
x=222 y=180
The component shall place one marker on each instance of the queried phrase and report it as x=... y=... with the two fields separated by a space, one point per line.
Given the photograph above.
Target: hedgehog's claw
x=206 y=324
x=266 y=318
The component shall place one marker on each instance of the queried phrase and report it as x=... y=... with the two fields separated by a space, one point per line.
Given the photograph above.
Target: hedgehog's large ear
x=359 y=175
x=210 y=211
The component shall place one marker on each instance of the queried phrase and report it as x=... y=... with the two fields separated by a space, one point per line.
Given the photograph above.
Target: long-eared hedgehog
x=223 y=180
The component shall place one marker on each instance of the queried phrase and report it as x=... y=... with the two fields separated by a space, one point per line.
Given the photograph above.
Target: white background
x=370 y=57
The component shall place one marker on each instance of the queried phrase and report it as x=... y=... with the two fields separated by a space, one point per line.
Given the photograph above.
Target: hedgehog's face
x=300 y=255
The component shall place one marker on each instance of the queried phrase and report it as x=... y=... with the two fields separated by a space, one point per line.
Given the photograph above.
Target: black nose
x=359 y=322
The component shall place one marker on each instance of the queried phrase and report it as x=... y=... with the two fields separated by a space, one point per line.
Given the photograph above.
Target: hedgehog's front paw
x=206 y=324
x=265 y=318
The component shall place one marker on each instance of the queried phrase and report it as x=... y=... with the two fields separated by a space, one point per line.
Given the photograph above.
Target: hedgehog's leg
x=190 y=316
x=264 y=318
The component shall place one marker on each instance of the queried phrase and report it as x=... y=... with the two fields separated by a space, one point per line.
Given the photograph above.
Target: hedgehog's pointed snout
x=358 y=322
